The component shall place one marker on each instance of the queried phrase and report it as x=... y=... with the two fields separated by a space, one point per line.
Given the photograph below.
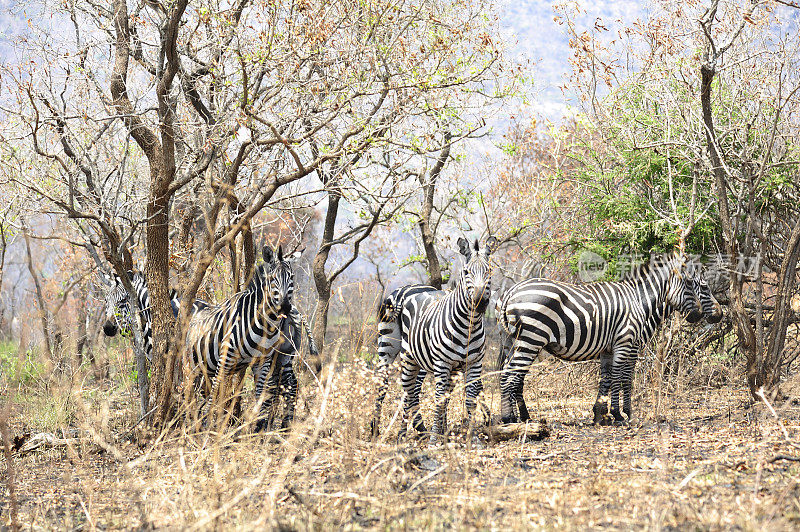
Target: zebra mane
x=656 y=263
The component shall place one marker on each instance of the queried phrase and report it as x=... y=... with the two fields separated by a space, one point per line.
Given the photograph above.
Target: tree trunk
x=44 y=314
x=157 y=271
x=740 y=318
x=773 y=356
x=426 y=226
x=321 y=281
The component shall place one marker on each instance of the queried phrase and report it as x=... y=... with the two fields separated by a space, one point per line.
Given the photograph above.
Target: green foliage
x=18 y=368
x=633 y=203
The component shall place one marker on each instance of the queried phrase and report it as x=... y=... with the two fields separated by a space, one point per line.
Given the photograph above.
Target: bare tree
x=219 y=109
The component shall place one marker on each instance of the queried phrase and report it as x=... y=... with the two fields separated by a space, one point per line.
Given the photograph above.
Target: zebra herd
x=258 y=328
x=437 y=332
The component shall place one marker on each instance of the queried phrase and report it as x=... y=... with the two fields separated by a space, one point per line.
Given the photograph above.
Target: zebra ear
x=463 y=247
x=105 y=279
x=491 y=245
x=266 y=253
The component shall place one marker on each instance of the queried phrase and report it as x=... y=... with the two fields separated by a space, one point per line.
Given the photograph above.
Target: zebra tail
x=506 y=330
x=388 y=310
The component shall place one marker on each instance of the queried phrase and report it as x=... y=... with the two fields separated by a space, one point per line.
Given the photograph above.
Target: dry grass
x=694 y=457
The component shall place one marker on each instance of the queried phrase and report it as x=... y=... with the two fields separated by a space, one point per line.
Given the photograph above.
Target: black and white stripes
x=609 y=321
x=251 y=329
x=119 y=318
x=437 y=332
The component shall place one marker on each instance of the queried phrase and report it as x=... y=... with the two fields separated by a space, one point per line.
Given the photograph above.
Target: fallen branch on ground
x=530 y=431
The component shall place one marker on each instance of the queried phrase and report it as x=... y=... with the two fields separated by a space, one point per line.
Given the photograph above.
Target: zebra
x=119 y=315
x=119 y=320
x=436 y=332
x=257 y=327
x=607 y=320
x=710 y=310
x=709 y=306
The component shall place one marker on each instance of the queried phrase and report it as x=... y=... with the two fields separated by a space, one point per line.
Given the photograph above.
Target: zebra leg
x=472 y=391
x=383 y=384
x=627 y=386
x=618 y=376
x=288 y=387
x=444 y=385
x=389 y=344
x=288 y=381
x=520 y=398
x=267 y=377
x=226 y=363
x=600 y=408
x=417 y=422
x=512 y=380
x=409 y=372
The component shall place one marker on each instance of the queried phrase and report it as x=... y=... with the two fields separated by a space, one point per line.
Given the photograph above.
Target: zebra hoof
x=619 y=419
x=604 y=421
x=600 y=411
x=262 y=425
x=505 y=420
x=401 y=436
x=286 y=422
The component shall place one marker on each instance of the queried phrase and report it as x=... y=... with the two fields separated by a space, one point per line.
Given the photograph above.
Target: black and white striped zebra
x=710 y=310
x=709 y=306
x=119 y=318
x=258 y=328
x=607 y=320
x=436 y=332
x=119 y=311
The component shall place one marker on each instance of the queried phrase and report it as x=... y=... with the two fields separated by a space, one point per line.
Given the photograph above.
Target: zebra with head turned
x=710 y=309
x=436 y=332
x=607 y=320
x=709 y=306
x=119 y=313
x=119 y=318
x=254 y=328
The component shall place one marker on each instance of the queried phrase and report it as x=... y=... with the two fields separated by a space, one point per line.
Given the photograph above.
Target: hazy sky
x=535 y=36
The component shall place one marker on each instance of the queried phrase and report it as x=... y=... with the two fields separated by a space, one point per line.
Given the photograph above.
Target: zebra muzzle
x=110 y=328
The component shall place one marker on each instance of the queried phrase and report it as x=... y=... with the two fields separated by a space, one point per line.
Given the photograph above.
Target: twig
x=783 y=457
x=424 y=479
x=763 y=397
x=299 y=498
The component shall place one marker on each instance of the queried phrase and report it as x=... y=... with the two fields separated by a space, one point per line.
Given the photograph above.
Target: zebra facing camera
x=591 y=266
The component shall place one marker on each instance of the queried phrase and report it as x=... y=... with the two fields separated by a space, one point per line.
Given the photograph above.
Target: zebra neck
x=261 y=305
x=652 y=292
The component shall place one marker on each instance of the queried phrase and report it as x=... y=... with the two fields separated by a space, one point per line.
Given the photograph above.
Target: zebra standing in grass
x=436 y=332
x=709 y=309
x=252 y=328
x=119 y=318
x=608 y=320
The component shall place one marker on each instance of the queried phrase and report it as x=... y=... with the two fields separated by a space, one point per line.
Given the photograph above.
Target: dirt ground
x=694 y=457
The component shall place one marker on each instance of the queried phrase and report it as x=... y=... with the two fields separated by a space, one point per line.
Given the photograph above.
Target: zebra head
x=276 y=278
x=681 y=295
x=476 y=276
x=711 y=309
x=118 y=306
